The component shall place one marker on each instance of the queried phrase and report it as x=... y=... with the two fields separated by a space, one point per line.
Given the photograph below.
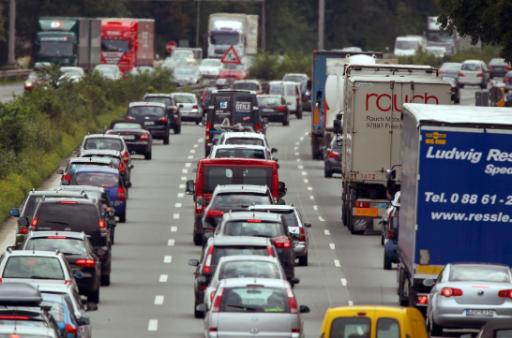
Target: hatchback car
x=173 y=113
x=137 y=139
x=243 y=138
x=79 y=253
x=474 y=73
x=291 y=93
x=450 y=70
x=240 y=151
x=153 y=116
x=252 y=85
x=245 y=306
x=498 y=67
x=75 y=162
x=188 y=106
x=106 y=142
x=186 y=74
x=332 y=158
x=210 y=68
x=305 y=87
x=274 y=108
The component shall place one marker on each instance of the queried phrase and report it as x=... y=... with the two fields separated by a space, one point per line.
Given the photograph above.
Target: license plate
x=129 y=137
x=149 y=123
x=480 y=313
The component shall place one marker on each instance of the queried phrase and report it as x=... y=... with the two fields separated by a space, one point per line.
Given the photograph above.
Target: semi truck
x=456 y=204
x=438 y=37
x=373 y=104
x=232 y=29
x=68 y=41
x=127 y=42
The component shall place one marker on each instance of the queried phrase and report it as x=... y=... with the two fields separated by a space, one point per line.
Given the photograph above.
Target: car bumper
x=159 y=133
x=333 y=166
x=456 y=317
x=300 y=249
x=273 y=116
x=191 y=116
x=470 y=80
x=138 y=147
x=120 y=208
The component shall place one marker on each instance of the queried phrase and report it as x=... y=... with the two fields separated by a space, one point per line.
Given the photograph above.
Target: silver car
x=473 y=73
x=189 y=107
x=468 y=295
x=250 y=307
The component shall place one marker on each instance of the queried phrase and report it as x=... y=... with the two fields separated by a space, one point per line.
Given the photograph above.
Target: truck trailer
x=456 y=204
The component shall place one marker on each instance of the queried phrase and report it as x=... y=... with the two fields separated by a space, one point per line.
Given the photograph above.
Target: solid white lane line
x=188 y=165
x=327 y=232
x=167 y=259
x=304 y=173
x=174 y=228
x=343 y=281
x=306 y=181
x=350 y=303
x=163 y=278
x=177 y=205
x=153 y=325
x=332 y=246
x=182 y=186
x=171 y=242
x=310 y=188
x=300 y=167
x=183 y=178
x=176 y=216
x=184 y=171
x=337 y=263
x=321 y=219
x=190 y=157
x=181 y=195
x=312 y=197
x=159 y=300
x=315 y=207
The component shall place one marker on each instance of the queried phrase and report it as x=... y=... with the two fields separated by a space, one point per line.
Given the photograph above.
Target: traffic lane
x=9 y=90
x=467 y=95
x=140 y=300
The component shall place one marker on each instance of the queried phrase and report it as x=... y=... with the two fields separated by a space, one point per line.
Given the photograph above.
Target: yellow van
x=373 y=322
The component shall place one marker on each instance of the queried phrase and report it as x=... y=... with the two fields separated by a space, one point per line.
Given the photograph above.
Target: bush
x=269 y=66
x=485 y=53
x=39 y=129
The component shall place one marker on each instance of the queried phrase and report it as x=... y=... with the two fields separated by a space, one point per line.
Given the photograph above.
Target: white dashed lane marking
x=337 y=263
x=321 y=219
x=312 y=197
x=327 y=232
x=174 y=228
x=343 y=281
x=306 y=181
x=159 y=300
x=188 y=165
x=350 y=303
x=177 y=205
x=300 y=167
x=315 y=207
x=183 y=178
x=167 y=259
x=190 y=157
x=181 y=195
x=310 y=188
x=182 y=186
x=176 y=216
x=153 y=325
x=332 y=246
x=184 y=171
x=304 y=173
x=163 y=278
x=171 y=242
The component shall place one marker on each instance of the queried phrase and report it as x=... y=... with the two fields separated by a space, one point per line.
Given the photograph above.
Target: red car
x=232 y=72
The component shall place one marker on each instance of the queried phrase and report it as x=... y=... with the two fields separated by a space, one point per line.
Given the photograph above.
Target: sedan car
x=247 y=138
x=173 y=112
x=36 y=79
x=75 y=162
x=245 y=306
x=121 y=162
x=153 y=116
x=109 y=142
x=274 y=108
x=137 y=139
x=332 y=158
x=304 y=82
x=498 y=67
x=188 y=106
x=71 y=74
x=210 y=67
x=450 y=70
x=109 y=72
x=468 y=295
x=232 y=72
x=474 y=73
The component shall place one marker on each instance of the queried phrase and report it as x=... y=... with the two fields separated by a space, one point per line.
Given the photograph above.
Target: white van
x=409 y=45
x=291 y=93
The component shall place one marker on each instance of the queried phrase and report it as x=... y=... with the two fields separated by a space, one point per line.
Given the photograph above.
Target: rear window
x=290 y=218
x=143 y=111
x=33 y=268
x=73 y=217
x=57 y=307
x=460 y=273
x=185 y=99
x=223 y=251
x=470 y=66
x=68 y=246
x=240 y=153
x=127 y=125
x=98 y=179
x=270 y=101
x=165 y=100
x=246 y=86
x=229 y=201
x=241 y=112
x=103 y=143
x=30 y=206
x=254 y=228
x=21 y=323
x=388 y=328
x=214 y=176
x=503 y=334
x=348 y=327
x=245 y=141
x=242 y=269
x=276 y=88
x=254 y=299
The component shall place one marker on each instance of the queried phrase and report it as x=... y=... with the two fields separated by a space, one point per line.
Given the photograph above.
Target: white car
x=291 y=93
x=110 y=72
x=243 y=138
x=210 y=67
x=71 y=74
x=473 y=72
x=240 y=151
x=186 y=75
x=188 y=106
x=409 y=45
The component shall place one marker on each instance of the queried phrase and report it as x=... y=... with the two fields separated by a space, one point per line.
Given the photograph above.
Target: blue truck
x=456 y=201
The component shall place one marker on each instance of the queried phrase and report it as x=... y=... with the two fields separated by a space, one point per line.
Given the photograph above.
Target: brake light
x=215 y=213
x=68 y=282
x=126 y=157
x=292 y=302
x=34 y=222
x=258 y=127
x=254 y=221
x=302 y=234
x=24 y=230
x=207 y=269
x=270 y=251
x=164 y=119
x=71 y=329
x=295 y=329
x=281 y=109
x=282 y=242
x=14 y=317
x=505 y=293
x=362 y=204
x=86 y=262
x=102 y=224
x=122 y=168
x=217 y=300
x=144 y=137
x=68 y=202
x=66 y=178
x=333 y=154
x=461 y=74
x=212 y=329
x=422 y=300
x=56 y=237
x=195 y=106
x=121 y=193
x=451 y=292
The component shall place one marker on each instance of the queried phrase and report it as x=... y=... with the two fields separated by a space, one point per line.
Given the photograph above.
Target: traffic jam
x=424 y=182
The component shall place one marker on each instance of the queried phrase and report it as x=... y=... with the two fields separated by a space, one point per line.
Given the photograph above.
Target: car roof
x=90 y=159
x=248 y=188
x=96 y=168
x=244 y=134
x=157 y=95
x=67 y=234
x=19 y=294
x=350 y=310
x=297 y=74
x=108 y=152
x=237 y=161
x=239 y=146
x=81 y=188
x=247 y=81
x=72 y=199
x=272 y=207
x=102 y=136
x=56 y=193
x=282 y=81
x=35 y=253
x=183 y=93
x=244 y=215
x=473 y=61
x=144 y=104
x=239 y=241
x=480 y=265
x=53 y=287
x=234 y=91
x=240 y=282
x=253 y=258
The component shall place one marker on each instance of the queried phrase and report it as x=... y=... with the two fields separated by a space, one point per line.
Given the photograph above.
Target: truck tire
x=198 y=239
x=403 y=284
x=387 y=262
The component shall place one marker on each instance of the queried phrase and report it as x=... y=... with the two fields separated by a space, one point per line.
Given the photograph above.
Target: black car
x=153 y=116
x=137 y=139
x=332 y=158
x=125 y=169
x=274 y=108
x=173 y=112
x=498 y=67
x=80 y=215
x=77 y=249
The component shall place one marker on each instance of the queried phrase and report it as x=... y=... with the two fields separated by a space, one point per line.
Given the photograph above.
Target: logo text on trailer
x=435 y=138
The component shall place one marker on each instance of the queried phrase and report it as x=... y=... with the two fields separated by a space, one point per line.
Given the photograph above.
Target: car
x=187 y=74
x=78 y=215
x=214 y=249
x=179 y=56
x=36 y=79
x=496 y=328
x=109 y=72
x=70 y=74
x=137 y=139
x=25 y=213
x=205 y=97
x=467 y=295
x=305 y=87
x=243 y=138
x=210 y=68
x=291 y=93
x=473 y=72
x=436 y=51
x=230 y=71
x=498 y=67
x=262 y=224
x=26 y=266
x=373 y=321
x=107 y=178
x=22 y=313
x=79 y=254
x=61 y=309
x=332 y=157
x=75 y=162
x=121 y=161
x=409 y=45
x=252 y=85
x=449 y=70
x=240 y=151
x=243 y=266
x=296 y=227
x=153 y=116
x=142 y=70
x=173 y=112
x=507 y=80
x=274 y=108
x=242 y=306
x=188 y=106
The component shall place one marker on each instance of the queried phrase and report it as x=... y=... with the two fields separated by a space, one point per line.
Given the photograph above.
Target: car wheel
x=435 y=330
x=198 y=121
x=387 y=262
x=94 y=296
x=286 y=120
x=327 y=172
x=148 y=155
x=198 y=314
x=298 y=114
x=177 y=129
x=198 y=239
x=122 y=217
x=461 y=85
x=105 y=280
x=303 y=260
x=382 y=238
x=166 y=139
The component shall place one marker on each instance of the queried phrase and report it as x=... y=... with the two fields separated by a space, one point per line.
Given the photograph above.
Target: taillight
x=207 y=268
x=68 y=202
x=282 y=242
x=292 y=302
x=461 y=74
x=126 y=157
x=71 y=329
x=34 y=222
x=362 y=204
x=451 y=292
x=281 y=109
x=391 y=234
x=122 y=167
x=215 y=213
x=121 y=193
x=333 y=154
x=24 y=230
x=102 y=224
x=217 y=301
x=66 y=178
x=254 y=221
x=212 y=295
x=144 y=137
x=258 y=127
x=270 y=251
x=505 y=293
x=68 y=282
x=195 y=106
x=302 y=234
x=422 y=300
x=164 y=119
x=295 y=329
x=86 y=262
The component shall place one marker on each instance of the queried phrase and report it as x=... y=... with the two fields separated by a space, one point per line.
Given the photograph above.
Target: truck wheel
x=148 y=155
x=198 y=239
x=387 y=262
x=166 y=139
x=435 y=330
x=403 y=284
x=303 y=260
x=105 y=280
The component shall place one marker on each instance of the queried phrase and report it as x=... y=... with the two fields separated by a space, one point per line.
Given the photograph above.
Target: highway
x=7 y=91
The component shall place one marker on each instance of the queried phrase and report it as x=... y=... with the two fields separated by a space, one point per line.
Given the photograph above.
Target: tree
x=487 y=21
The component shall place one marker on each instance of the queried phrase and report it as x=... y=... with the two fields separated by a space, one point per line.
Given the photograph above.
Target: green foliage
x=39 y=129
x=422 y=58
x=268 y=66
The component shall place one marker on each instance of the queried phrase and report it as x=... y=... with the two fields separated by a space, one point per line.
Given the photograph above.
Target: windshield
x=270 y=101
x=97 y=179
x=142 y=111
x=182 y=54
x=68 y=217
x=127 y=125
x=224 y=38
x=210 y=62
x=115 y=45
x=253 y=227
x=461 y=273
x=439 y=36
x=406 y=44
x=69 y=246
x=214 y=176
x=245 y=141
x=229 y=201
x=33 y=267
x=243 y=269
x=254 y=299
x=470 y=66
x=185 y=98
x=103 y=143
x=56 y=48
x=246 y=86
x=276 y=88
x=160 y=99
x=57 y=306
x=223 y=251
x=240 y=153
x=344 y=327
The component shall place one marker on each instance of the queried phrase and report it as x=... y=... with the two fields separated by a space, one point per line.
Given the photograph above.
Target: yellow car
x=373 y=322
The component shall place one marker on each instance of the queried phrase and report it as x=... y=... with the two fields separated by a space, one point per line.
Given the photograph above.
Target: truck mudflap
x=367 y=215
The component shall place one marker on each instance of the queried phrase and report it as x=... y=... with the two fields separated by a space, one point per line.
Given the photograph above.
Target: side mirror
x=23 y=222
x=193 y=262
x=307 y=225
x=391 y=174
x=282 y=189
x=60 y=171
x=84 y=320
x=429 y=282
x=304 y=309
x=201 y=280
x=14 y=212
x=190 y=187
x=273 y=150
x=201 y=308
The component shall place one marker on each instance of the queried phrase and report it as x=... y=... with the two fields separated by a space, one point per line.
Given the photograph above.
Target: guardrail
x=14 y=74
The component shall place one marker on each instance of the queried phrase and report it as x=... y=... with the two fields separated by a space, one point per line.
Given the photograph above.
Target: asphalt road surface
x=7 y=91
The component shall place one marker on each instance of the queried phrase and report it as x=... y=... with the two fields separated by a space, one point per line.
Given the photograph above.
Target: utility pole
x=321 y=23
x=198 y=22
x=11 y=58
x=263 y=25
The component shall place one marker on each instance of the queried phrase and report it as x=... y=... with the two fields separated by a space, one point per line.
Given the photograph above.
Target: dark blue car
x=62 y=311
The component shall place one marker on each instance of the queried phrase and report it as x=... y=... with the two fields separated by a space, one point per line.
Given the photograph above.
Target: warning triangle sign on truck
x=231 y=56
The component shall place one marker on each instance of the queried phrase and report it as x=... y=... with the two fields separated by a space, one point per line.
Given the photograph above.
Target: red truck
x=127 y=42
x=212 y=172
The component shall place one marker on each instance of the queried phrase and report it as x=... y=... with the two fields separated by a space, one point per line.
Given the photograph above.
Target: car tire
x=94 y=296
x=198 y=121
x=434 y=329
x=105 y=280
x=122 y=217
x=303 y=260
x=148 y=155
x=461 y=85
x=198 y=314
x=298 y=114
x=387 y=262
x=327 y=172
x=286 y=120
x=198 y=239
x=166 y=139
x=177 y=129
